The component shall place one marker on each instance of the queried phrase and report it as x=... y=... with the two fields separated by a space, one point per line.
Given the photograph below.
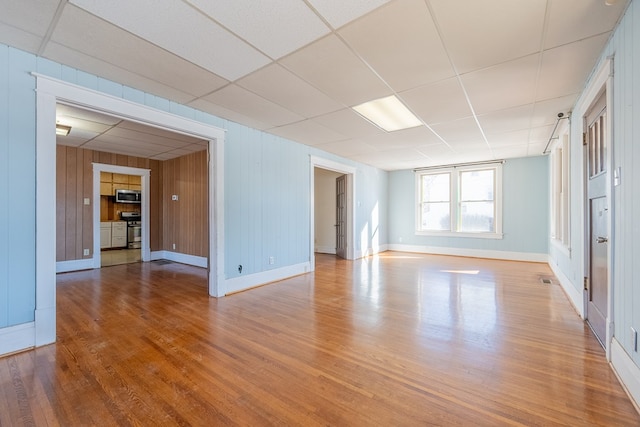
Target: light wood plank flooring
x=393 y=340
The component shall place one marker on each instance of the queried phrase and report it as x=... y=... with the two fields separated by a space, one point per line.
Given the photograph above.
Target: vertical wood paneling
x=74 y=182
x=185 y=221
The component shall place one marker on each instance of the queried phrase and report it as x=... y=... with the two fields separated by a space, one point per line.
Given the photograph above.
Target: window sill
x=460 y=234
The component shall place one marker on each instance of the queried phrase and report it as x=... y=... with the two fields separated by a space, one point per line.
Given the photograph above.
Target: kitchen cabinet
x=105 y=235
x=106 y=184
x=110 y=182
x=118 y=234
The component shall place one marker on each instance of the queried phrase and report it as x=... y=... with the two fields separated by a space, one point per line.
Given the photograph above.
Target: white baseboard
x=473 y=253
x=627 y=371
x=242 y=283
x=372 y=251
x=74 y=265
x=196 y=261
x=325 y=250
x=574 y=295
x=17 y=338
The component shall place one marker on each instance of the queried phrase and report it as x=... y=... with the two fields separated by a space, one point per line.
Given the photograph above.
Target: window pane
x=435 y=188
x=436 y=216
x=476 y=185
x=476 y=217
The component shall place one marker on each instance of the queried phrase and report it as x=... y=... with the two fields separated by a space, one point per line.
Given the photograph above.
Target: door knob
x=602 y=239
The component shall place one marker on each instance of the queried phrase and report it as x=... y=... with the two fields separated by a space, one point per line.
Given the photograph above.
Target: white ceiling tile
x=546 y=112
x=480 y=34
x=536 y=149
x=565 y=69
x=141 y=137
x=289 y=91
x=93 y=37
x=517 y=137
x=345 y=148
x=154 y=132
x=385 y=160
x=339 y=12
x=510 y=152
x=438 y=102
x=33 y=16
x=507 y=120
x=225 y=113
x=573 y=20
x=436 y=151
x=330 y=66
x=394 y=40
x=89 y=116
x=267 y=25
x=540 y=134
x=12 y=36
x=407 y=138
x=70 y=140
x=111 y=72
x=503 y=86
x=239 y=99
x=307 y=132
x=181 y=29
x=349 y=123
x=460 y=133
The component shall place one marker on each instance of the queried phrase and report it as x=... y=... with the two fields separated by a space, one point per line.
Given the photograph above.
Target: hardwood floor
x=399 y=339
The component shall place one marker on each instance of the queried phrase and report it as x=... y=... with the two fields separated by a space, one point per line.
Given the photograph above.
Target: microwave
x=128 y=196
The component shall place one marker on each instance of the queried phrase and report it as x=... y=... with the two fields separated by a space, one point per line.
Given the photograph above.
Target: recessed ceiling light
x=388 y=113
x=62 y=130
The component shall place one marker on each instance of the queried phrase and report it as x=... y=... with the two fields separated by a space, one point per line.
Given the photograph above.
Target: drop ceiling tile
x=181 y=29
x=33 y=17
x=565 y=69
x=330 y=66
x=407 y=138
x=339 y=12
x=154 y=132
x=307 y=132
x=143 y=137
x=536 y=149
x=546 y=112
x=573 y=20
x=480 y=34
x=511 y=152
x=89 y=64
x=86 y=117
x=506 y=120
x=438 y=102
x=269 y=26
x=436 y=151
x=394 y=39
x=345 y=148
x=70 y=140
x=238 y=99
x=461 y=133
x=349 y=123
x=12 y=36
x=289 y=91
x=540 y=134
x=517 y=137
x=384 y=160
x=227 y=114
x=504 y=86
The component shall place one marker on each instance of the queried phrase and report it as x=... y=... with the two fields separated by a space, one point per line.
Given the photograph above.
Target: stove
x=134 y=229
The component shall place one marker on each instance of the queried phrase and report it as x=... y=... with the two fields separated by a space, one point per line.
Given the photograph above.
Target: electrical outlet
x=174 y=246
x=271 y=260
x=174 y=197
x=85 y=252
x=240 y=268
x=87 y=201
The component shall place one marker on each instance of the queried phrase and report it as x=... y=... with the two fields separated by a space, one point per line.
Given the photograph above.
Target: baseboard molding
x=74 y=265
x=17 y=338
x=573 y=295
x=325 y=250
x=473 y=253
x=627 y=371
x=372 y=251
x=242 y=283
x=196 y=261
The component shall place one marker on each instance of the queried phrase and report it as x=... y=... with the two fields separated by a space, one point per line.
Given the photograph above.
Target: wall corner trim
x=627 y=371
x=574 y=296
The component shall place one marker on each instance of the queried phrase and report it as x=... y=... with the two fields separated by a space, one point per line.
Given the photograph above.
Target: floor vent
x=546 y=281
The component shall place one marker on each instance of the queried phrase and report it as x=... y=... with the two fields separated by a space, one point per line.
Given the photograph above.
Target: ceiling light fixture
x=62 y=130
x=610 y=2
x=388 y=113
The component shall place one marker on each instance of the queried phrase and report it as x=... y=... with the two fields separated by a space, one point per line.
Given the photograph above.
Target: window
x=460 y=201
x=560 y=217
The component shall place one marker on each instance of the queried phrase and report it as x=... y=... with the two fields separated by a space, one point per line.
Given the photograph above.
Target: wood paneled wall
x=74 y=219
x=186 y=220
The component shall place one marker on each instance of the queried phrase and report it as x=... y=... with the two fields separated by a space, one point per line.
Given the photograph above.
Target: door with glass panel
x=341 y=216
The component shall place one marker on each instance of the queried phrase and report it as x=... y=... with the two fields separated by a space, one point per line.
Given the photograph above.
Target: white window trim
x=560 y=203
x=455 y=171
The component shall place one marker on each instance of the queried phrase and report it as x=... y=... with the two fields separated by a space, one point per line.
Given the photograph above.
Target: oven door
x=134 y=236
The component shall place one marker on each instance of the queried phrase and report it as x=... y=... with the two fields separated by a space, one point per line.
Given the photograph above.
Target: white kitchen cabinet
x=118 y=234
x=105 y=235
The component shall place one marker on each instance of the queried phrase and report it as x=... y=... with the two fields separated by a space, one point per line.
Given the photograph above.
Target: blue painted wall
x=525 y=214
x=267 y=188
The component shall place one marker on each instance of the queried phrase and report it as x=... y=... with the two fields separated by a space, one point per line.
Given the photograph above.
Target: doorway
x=597 y=212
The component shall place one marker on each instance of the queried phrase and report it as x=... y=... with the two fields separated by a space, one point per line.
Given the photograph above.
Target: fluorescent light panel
x=62 y=130
x=388 y=113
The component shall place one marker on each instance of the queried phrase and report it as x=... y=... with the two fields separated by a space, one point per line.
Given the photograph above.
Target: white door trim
x=50 y=91
x=144 y=207
x=602 y=78
x=350 y=171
